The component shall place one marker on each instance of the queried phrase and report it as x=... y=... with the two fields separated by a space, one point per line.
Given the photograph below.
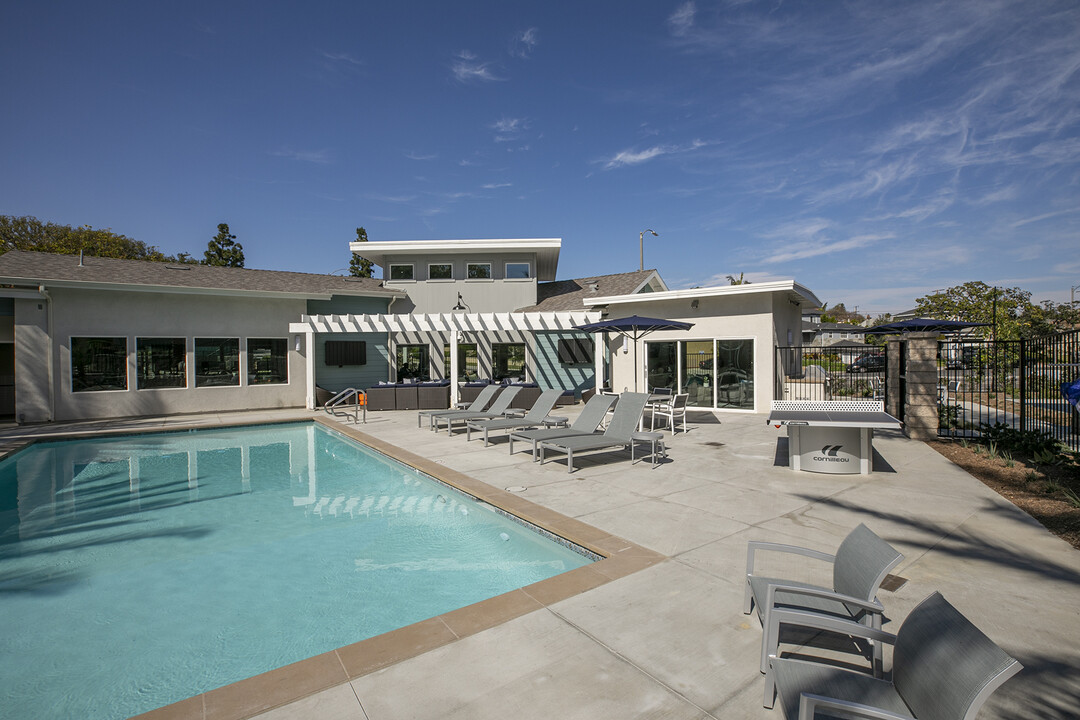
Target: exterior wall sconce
x=460 y=304
x=694 y=304
x=296 y=343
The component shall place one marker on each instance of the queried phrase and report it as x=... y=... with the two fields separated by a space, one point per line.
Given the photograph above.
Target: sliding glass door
x=713 y=373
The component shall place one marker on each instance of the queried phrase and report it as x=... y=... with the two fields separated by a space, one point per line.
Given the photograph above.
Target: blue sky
x=874 y=151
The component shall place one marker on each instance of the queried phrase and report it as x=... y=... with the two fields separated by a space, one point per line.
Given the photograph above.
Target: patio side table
x=656 y=446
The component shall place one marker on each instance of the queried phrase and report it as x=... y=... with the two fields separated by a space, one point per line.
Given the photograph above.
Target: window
x=515 y=271
x=478 y=271
x=440 y=271
x=98 y=364
x=735 y=374
x=661 y=362
x=401 y=271
x=268 y=361
x=412 y=363
x=468 y=362
x=575 y=351
x=508 y=361
x=345 y=352
x=217 y=362
x=160 y=363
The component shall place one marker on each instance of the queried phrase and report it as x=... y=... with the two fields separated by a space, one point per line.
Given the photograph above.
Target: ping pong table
x=831 y=436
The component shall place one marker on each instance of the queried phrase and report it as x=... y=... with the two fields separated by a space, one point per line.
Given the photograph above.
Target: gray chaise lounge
x=499 y=407
x=536 y=415
x=478 y=404
x=622 y=426
x=586 y=423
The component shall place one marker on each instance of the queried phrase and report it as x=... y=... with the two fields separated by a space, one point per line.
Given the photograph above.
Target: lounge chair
x=622 y=426
x=481 y=401
x=585 y=424
x=534 y=417
x=860 y=565
x=499 y=408
x=944 y=668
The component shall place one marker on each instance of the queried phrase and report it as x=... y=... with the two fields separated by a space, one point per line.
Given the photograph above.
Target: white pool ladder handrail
x=339 y=404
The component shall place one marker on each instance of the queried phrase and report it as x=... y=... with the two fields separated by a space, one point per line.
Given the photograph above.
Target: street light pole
x=641 y=245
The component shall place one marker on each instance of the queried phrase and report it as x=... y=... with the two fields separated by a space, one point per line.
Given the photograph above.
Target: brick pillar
x=921 y=379
x=893 y=348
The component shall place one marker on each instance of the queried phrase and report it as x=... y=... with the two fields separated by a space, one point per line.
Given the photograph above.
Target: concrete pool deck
x=665 y=636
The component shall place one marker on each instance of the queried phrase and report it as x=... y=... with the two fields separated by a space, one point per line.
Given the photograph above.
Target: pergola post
x=454 y=369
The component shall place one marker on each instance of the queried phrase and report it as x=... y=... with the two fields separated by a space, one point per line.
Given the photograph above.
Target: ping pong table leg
x=866 y=450
x=794 y=453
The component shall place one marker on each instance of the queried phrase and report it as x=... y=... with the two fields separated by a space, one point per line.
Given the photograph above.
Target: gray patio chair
x=621 y=427
x=671 y=408
x=944 y=668
x=481 y=401
x=536 y=415
x=586 y=423
x=860 y=565
x=499 y=408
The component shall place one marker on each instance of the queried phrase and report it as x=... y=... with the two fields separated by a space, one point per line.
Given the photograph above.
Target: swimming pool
x=137 y=571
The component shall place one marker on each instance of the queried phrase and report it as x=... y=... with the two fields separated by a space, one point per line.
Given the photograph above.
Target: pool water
x=138 y=571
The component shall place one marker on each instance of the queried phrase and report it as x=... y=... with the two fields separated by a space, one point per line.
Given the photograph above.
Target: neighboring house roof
x=564 y=295
x=833 y=327
x=796 y=293
x=546 y=250
x=21 y=267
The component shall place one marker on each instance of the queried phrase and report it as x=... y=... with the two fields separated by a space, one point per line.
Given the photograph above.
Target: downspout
x=49 y=334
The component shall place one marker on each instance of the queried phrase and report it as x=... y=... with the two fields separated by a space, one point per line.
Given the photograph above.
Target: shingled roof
x=18 y=266
x=562 y=295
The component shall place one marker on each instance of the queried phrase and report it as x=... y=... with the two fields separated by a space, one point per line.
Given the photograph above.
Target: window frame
x=71 y=363
x=249 y=359
x=524 y=375
x=441 y=279
x=138 y=369
x=390 y=272
x=490 y=275
x=195 y=361
x=528 y=270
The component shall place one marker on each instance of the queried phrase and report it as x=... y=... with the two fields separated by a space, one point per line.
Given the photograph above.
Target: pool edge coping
x=295 y=681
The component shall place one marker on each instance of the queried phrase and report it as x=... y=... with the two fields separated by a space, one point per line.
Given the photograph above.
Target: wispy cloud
x=396 y=199
x=496 y=186
x=682 y=20
x=524 y=43
x=468 y=68
x=318 y=157
x=816 y=249
x=342 y=57
x=625 y=158
x=1044 y=216
x=413 y=155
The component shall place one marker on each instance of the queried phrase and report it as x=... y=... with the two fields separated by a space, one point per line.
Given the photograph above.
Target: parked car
x=867 y=363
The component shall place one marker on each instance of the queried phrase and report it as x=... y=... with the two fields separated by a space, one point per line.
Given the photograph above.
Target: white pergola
x=453 y=324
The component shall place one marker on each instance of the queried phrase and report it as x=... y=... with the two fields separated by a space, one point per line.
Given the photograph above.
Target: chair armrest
x=810 y=703
x=823 y=593
x=754 y=545
x=827 y=623
x=774 y=617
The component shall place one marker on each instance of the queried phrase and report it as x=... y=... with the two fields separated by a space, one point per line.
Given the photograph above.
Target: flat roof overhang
x=798 y=293
x=546 y=250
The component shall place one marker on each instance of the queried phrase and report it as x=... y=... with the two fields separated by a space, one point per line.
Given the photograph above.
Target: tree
x=732 y=280
x=840 y=314
x=1008 y=312
x=223 y=250
x=29 y=233
x=358 y=266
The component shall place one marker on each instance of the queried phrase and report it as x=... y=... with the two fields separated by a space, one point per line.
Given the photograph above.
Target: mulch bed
x=1038 y=490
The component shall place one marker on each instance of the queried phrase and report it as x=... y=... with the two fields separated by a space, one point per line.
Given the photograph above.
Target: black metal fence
x=1014 y=382
x=833 y=372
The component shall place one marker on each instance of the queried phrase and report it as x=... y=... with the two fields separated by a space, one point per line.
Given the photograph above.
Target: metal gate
x=1012 y=382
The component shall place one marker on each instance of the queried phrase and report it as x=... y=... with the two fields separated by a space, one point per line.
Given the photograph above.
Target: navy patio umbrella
x=924 y=325
x=634 y=327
